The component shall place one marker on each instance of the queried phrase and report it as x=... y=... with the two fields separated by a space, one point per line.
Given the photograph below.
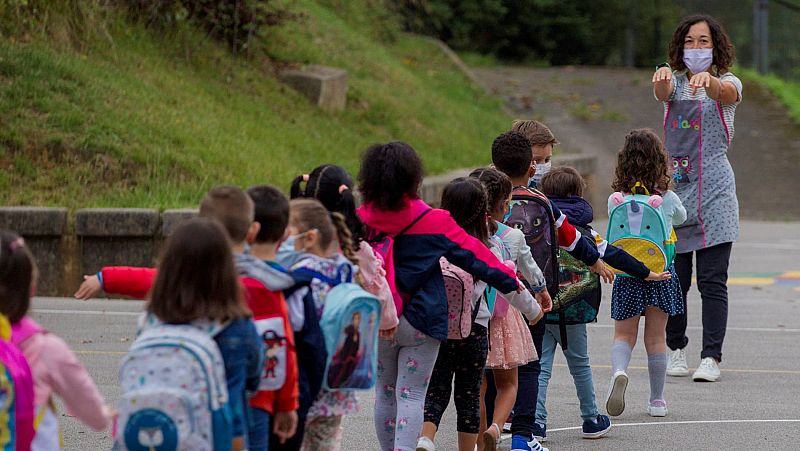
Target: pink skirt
x=510 y=342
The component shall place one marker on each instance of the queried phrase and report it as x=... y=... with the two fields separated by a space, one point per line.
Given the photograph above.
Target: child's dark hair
x=563 y=181
x=465 y=199
x=333 y=187
x=197 y=278
x=511 y=154
x=390 y=175
x=309 y=214
x=724 y=53
x=17 y=269
x=271 y=212
x=232 y=208
x=498 y=187
x=642 y=159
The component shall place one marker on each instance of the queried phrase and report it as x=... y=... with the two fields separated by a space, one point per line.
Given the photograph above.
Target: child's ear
x=255 y=227
x=532 y=169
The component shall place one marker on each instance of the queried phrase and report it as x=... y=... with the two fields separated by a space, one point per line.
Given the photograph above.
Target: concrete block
x=170 y=219
x=324 y=86
x=116 y=237
x=432 y=186
x=43 y=230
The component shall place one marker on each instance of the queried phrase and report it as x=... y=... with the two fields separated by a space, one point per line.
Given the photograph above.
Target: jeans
x=577 y=355
x=712 y=279
x=258 y=428
x=527 y=389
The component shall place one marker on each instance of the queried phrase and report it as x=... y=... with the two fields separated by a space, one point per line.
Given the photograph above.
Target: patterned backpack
x=637 y=225
x=530 y=212
x=459 y=287
x=16 y=394
x=579 y=293
x=174 y=391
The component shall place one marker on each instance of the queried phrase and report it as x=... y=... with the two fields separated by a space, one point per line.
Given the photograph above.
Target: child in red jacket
x=277 y=396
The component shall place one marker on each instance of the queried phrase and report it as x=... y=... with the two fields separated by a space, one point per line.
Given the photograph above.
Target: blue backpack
x=350 y=323
x=174 y=392
x=640 y=229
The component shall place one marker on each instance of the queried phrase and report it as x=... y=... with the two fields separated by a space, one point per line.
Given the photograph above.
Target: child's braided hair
x=498 y=187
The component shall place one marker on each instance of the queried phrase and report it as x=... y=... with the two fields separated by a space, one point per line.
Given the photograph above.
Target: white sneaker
x=615 y=400
x=708 y=371
x=425 y=444
x=676 y=365
x=657 y=408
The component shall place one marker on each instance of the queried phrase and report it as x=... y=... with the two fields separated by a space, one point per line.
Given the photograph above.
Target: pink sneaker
x=657 y=408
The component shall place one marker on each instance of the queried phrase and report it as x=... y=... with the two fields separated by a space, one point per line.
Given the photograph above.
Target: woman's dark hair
x=642 y=159
x=563 y=181
x=390 y=175
x=333 y=187
x=17 y=272
x=196 y=277
x=498 y=187
x=724 y=52
x=465 y=199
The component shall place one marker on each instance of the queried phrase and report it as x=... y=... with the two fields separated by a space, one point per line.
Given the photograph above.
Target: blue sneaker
x=540 y=432
x=521 y=443
x=596 y=428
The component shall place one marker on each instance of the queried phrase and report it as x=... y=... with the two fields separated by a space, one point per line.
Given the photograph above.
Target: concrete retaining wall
x=98 y=237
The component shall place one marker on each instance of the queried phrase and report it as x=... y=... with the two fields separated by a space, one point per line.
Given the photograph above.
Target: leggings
x=404 y=368
x=464 y=359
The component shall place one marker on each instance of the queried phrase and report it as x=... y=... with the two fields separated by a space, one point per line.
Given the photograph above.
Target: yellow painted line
x=751 y=281
x=732 y=370
x=791 y=274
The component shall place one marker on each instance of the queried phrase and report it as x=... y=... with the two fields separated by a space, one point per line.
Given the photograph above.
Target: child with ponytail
x=318 y=235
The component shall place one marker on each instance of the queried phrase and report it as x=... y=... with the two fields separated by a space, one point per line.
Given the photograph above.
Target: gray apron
x=696 y=139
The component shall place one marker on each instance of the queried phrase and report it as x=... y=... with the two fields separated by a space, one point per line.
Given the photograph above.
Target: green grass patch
x=154 y=119
x=788 y=92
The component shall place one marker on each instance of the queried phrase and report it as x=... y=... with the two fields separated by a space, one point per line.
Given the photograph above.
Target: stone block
x=324 y=86
x=43 y=230
x=170 y=219
x=116 y=237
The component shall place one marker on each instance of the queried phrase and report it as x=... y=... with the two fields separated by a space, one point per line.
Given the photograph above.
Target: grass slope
x=144 y=119
x=787 y=91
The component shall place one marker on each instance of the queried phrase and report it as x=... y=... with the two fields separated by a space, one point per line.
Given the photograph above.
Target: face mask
x=698 y=60
x=541 y=170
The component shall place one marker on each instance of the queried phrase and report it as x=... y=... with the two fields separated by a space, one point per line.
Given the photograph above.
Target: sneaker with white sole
x=521 y=443
x=597 y=427
x=676 y=365
x=657 y=408
x=425 y=444
x=708 y=371
x=615 y=400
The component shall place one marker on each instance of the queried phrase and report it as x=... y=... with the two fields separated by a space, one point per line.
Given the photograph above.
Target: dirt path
x=591 y=109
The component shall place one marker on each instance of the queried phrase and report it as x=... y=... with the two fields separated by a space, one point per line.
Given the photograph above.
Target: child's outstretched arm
x=124 y=280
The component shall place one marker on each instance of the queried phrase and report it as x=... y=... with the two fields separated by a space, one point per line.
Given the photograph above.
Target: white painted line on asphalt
x=86 y=312
x=729 y=329
x=664 y=423
x=732 y=370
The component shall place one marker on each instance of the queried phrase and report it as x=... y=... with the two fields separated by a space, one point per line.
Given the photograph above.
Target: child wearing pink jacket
x=55 y=369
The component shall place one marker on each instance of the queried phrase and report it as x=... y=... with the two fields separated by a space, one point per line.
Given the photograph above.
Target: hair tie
x=16 y=244
x=306 y=177
x=343 y=188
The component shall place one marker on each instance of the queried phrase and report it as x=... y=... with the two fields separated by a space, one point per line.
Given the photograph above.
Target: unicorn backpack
x=637 y=225
x=16 y=394
x=349 y=323
x=174 y=392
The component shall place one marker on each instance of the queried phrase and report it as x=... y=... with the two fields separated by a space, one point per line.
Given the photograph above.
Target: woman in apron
x=700 y=97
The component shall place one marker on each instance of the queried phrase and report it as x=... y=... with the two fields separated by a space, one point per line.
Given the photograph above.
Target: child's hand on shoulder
x=658 y=277
x=90 y=288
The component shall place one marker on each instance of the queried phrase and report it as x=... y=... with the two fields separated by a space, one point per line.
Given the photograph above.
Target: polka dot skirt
x=631 y=296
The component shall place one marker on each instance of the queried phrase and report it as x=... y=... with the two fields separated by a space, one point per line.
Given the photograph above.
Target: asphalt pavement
x=753 y=406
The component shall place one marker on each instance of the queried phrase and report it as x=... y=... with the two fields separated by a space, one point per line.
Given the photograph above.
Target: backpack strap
x=640 y=185
x=25 y=328
x=411 y=224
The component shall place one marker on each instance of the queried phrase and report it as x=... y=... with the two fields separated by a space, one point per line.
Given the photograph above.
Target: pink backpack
x=459 y=286
x=17 y=408
x=383 y=246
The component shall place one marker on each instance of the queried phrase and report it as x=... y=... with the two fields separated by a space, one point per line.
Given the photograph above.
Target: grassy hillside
x=137 y=118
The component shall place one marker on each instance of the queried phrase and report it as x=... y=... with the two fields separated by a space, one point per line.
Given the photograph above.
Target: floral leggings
x=404 y=369
x=464 y=359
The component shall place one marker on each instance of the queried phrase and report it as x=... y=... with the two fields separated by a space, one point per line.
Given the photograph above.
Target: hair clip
x=343 y=188
x=16 y=244
x=306 y=177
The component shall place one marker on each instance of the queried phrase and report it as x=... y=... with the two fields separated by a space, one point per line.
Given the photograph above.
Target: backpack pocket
x=271 y=331
x=159 y=419
x=645 y=250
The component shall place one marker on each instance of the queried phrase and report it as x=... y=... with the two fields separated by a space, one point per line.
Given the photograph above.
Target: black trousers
x=712 y=281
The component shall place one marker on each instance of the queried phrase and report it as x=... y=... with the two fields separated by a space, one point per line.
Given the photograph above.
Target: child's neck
x=519 y=181
x=238 y=248
x=264 y=251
